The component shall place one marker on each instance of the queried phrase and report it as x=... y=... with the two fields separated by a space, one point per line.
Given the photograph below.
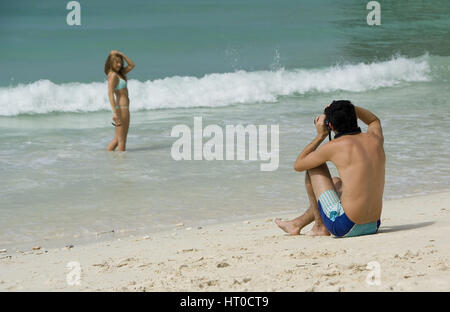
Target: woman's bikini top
x=122 y=84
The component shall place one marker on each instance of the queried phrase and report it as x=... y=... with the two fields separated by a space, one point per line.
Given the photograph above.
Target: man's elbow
x=376 y=120
x=298 y=167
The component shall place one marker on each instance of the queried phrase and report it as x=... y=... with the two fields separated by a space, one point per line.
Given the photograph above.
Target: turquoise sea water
x=231 y=62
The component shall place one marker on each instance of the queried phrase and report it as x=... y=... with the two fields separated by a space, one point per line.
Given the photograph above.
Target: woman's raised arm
x=130 y=63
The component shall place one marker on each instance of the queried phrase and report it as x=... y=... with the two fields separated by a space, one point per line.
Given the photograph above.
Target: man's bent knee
x=322 y=166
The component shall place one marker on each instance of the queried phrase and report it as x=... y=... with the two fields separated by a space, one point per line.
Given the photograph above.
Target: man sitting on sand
x=349 y=205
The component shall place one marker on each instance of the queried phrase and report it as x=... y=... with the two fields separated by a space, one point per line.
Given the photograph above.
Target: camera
x=326 y=123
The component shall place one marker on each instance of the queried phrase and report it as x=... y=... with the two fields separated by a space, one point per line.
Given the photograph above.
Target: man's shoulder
x=354 y=138
x=346 y=143
x=337 y=146
x=341 y=141
x=376 y=136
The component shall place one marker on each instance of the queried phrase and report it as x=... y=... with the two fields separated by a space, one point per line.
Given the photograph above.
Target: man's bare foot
x=318 y=231
x=290 y=227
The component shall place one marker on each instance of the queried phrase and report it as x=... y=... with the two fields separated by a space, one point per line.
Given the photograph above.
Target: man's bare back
x=360 y=161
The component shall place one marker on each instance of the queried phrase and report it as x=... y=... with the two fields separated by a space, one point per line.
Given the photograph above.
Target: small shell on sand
x=179 y=224
x=2 y=250
x=36 y=247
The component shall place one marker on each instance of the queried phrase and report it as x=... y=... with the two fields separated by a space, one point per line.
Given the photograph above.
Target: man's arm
x=371 y=120
x=309 y=157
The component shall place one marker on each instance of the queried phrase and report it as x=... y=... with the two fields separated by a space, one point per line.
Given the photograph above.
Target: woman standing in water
x=117 y=84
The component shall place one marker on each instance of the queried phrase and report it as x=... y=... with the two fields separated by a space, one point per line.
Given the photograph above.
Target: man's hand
x=322 y=130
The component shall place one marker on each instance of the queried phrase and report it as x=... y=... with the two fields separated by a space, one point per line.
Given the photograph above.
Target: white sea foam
x=212 y=90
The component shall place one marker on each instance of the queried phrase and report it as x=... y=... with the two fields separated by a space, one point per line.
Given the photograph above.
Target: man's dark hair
x=342 y=116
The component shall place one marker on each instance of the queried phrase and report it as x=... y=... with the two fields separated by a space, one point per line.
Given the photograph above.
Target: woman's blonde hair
x=108 y=65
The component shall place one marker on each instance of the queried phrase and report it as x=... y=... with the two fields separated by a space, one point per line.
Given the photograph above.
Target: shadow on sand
x=403 y=227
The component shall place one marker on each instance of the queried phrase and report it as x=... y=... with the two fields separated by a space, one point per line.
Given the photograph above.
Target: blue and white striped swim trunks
x=337 y=222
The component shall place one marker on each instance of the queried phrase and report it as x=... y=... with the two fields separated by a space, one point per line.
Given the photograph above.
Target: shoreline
x=121 y=234
x=411 y=249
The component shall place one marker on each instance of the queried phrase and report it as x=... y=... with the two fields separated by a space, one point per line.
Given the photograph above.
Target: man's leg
x=294 y=226
x=321 y=181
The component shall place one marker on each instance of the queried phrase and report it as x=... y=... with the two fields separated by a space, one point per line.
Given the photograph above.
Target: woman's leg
x=114 y=142
x=127 y=127
x=123 y=129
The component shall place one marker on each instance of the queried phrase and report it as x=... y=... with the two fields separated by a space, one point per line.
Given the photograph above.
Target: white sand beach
x=412 y=249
